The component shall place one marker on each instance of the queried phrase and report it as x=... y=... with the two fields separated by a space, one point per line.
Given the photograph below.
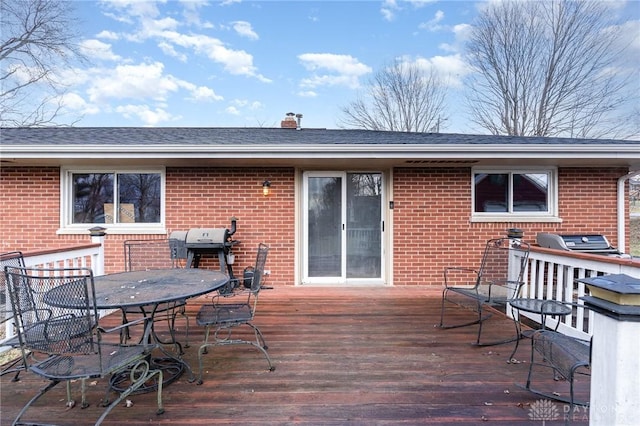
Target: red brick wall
x=206 y=197
x=30 y=212
x=30 y=209
x=431 y=215
x=432 y=210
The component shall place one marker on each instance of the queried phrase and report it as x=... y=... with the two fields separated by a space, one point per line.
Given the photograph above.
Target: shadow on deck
x=369 y=356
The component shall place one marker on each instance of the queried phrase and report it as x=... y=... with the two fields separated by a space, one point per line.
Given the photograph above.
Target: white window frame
x=66 y=203
x=551 y=215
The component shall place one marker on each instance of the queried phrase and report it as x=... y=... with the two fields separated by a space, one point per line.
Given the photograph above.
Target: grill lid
x=206 y=237
x=586 y=243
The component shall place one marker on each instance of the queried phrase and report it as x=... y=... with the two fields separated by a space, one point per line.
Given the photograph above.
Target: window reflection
x=511 y=192
x=138 y=197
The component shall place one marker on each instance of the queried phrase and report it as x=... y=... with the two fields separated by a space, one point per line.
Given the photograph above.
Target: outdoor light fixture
x=266 y=188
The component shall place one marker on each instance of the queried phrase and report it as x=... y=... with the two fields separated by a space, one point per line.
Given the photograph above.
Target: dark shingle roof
x=127 y=136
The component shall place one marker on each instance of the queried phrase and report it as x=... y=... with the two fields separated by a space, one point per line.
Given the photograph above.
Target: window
x=116 y=199
x=514 y=195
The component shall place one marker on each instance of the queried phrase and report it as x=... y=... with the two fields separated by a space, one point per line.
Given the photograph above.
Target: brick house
x=344 y=206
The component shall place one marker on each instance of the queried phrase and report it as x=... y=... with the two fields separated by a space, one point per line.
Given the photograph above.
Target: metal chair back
x=13 y=258
x=258 y=271
x=47 y=328
x=502 y=269
x=56 y=314
x=141 y=255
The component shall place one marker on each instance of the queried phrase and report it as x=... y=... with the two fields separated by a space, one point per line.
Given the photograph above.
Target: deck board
x=342 y=356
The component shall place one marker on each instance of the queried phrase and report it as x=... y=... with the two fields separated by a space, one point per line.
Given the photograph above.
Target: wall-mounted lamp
x=266 y=188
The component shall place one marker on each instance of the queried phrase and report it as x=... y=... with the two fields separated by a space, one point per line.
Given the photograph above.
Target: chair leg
x=444 y=295
x=83 y=390
x=201 y=351
x=480 y=321
x=171 y=324
x=442 y=309
x=259 y=336
x=259 y=344
x=124 y=333
x=186 y=319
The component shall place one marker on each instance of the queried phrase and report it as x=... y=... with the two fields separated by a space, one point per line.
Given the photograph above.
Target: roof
x=290 y=147
x=263 y=136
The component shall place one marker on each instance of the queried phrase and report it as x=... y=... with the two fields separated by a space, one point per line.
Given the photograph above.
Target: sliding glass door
x=343 y=227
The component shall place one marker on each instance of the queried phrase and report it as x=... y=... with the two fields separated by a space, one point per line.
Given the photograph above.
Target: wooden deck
x=370 y=356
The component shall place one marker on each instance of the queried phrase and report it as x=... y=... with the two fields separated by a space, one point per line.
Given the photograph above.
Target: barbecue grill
x=579 y=243
x=200 y=242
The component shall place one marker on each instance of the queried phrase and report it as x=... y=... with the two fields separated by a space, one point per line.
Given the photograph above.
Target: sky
x=239 y=63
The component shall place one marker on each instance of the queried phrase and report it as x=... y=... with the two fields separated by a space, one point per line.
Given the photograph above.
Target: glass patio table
x=146 y=290
x=541 y=307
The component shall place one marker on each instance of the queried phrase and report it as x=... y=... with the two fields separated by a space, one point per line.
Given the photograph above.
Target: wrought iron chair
x=13 y=258
x=567 y=356
x=55 y=314
x=229 y=310
x=142 y=255
x=498 y=279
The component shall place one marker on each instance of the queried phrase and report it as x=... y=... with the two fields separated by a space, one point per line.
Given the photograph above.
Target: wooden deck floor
x=343 y=356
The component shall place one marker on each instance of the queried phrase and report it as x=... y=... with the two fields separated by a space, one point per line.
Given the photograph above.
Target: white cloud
x=307 y=94
x=166 y=31
x=246 y=104
x=108 y=35
x=204 y=94
x=461 y=33
x=98 y=50
x=150 y=117
x=170 y=50
x=132 y=8
x=143 y=81
x=451 y=69
x=332 y=69
x=433 y=24
x=236 y=62
x=191 y=13
x=244 y=29
x=153 y=27
x=74 y=102
x=232 y=110
x=344 y=64
x=631 y=34
x=388 y=9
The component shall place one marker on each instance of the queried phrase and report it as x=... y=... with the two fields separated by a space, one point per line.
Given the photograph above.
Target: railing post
x=615 y=365
x=97 y=261
x=515 y=263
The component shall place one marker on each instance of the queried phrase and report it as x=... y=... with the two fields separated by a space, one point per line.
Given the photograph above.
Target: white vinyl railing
x=553 y=275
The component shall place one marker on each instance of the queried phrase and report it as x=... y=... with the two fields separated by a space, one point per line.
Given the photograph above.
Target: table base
x=171 y=368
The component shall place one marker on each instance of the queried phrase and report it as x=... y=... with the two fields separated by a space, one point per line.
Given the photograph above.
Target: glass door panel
x=364 y=225
x=324 y=226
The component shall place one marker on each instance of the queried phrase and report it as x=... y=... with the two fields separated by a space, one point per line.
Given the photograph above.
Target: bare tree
x=546 y=68
x=400 y=97
x=38 y=41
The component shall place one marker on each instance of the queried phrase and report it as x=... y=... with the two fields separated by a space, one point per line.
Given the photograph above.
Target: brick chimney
x=289 y=121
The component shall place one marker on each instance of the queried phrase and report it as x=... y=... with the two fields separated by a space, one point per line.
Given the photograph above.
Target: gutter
x=621 y=211
x=490 y=151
